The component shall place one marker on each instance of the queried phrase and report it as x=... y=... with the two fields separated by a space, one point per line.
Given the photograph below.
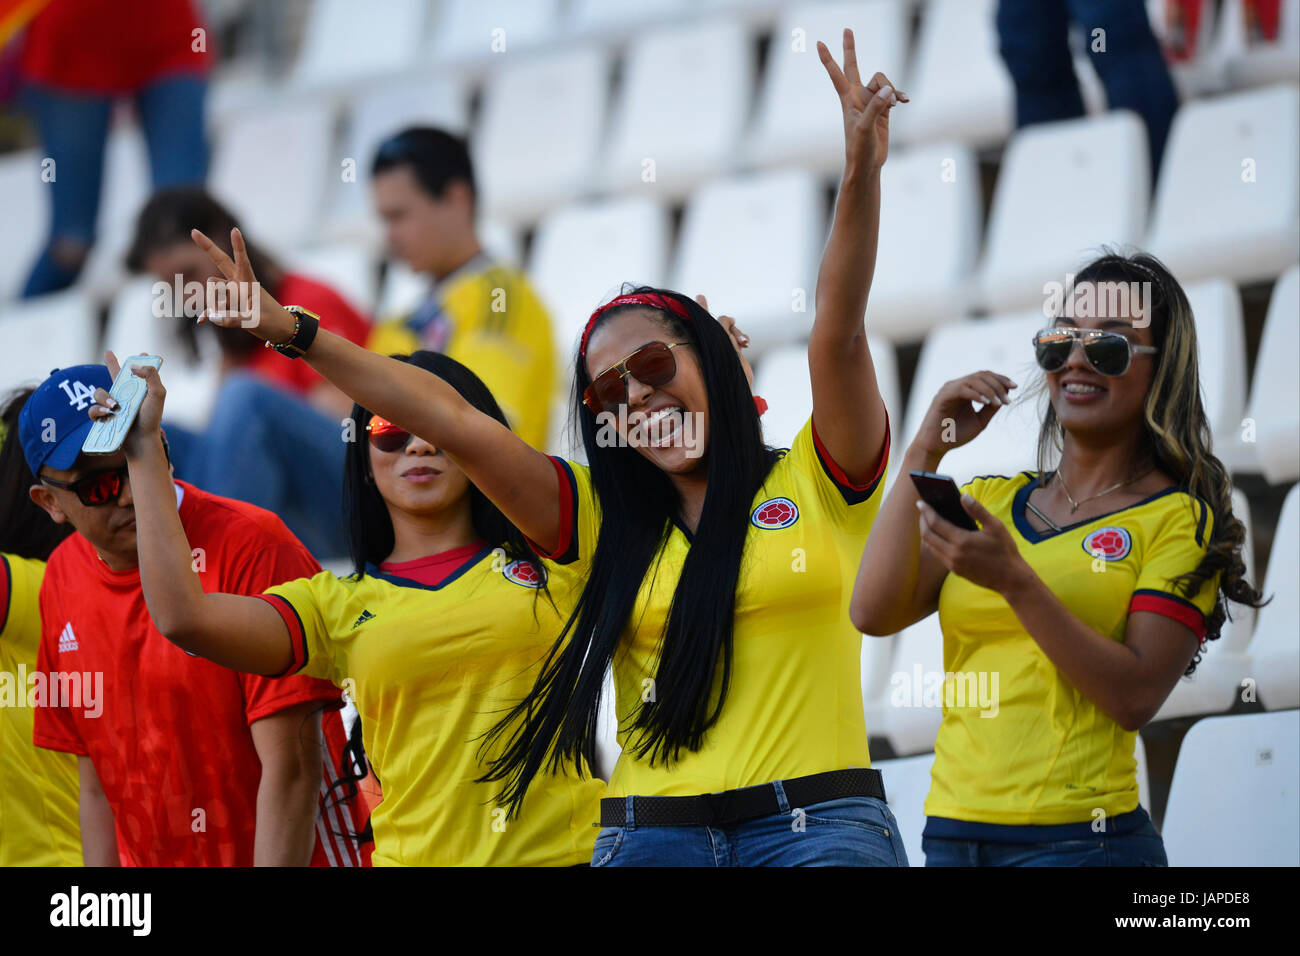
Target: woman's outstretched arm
x=847 y=407
x=237 y=631
x=520 y=480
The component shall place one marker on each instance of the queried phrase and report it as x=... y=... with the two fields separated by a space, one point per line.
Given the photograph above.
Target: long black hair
x=25 y=529
x=556 y=721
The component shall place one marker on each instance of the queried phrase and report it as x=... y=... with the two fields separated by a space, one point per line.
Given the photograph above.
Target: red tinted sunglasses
x=97 y=488
x=386 y=436
x=651 y=365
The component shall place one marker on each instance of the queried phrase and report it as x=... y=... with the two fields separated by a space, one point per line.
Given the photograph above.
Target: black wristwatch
x=304 y=332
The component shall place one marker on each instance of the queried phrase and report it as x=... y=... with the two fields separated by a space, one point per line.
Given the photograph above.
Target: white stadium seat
x=1228 y=200
x=910 y=722
x=538 y=132
x=750 y=244
x=401 y=291
x=958 y=85
x=782 y=378
x=133 y=329
x=930 y=223
x=877 y=667
x=45 y=333
x=582 y=254
x=612 y=20
x=1235 y=800
x=683 y=102
x=1064 y=189
x=1225 y=663
x=1003 y=345
x=1242 y=64
x=1275 y=648
x=798 y=120
x=341 y=45
x=127 y=187
x=1274 y=408
x=346 y=268
x=272 y=169
x=907 y=784
x=1221 y=341
x=471 y=31
x=26 y=220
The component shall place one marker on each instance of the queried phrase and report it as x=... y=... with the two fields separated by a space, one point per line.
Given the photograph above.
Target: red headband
x=654 y=301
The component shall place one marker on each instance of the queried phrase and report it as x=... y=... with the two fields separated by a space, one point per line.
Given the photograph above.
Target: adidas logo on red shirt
x=67 y=640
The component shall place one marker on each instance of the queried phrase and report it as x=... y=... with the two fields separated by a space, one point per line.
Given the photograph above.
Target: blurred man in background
x=479 y=311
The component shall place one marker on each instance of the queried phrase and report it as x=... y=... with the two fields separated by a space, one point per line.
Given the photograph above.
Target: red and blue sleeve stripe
x=853 y=494
x=1170 y=605
x=297 y=633
x=566 y=550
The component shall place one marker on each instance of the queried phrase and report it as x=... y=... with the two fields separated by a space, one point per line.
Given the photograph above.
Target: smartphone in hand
x=107 y=435
x=941 y=493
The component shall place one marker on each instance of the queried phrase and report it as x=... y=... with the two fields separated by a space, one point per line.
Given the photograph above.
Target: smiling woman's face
x=1087 y=402
x=418 y=479
x=675 y=413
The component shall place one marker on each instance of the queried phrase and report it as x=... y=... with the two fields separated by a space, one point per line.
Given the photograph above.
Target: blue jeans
x=853 y=831
x=1140 y=847
x=1033 y=36
x=268 y=447
x=74 y=130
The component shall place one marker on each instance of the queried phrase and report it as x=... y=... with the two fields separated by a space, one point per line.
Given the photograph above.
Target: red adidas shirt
x=171 y=737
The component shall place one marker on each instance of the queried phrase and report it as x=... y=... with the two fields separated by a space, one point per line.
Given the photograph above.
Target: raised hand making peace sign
x=268 y=320
x=866 y=108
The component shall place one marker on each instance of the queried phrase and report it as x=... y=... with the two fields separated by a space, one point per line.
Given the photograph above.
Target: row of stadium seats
x=1233 y=801
x=1257 y=431
x=1226 y=204
x=752 y=241
x=469 y=34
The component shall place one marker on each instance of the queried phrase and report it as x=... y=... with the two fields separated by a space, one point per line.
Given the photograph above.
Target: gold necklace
x=1074 y=505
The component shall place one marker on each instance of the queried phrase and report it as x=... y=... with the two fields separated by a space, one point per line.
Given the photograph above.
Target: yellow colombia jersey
x=39 y=789
x=488 y=318
x=1045 y=754
x=795 y=702
x=430 y=670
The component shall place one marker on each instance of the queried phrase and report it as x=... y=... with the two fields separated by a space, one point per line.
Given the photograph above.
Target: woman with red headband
x=718 y=570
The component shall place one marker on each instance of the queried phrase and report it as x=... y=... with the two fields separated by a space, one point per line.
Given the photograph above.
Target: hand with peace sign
x=866 y=108
x=268 y=321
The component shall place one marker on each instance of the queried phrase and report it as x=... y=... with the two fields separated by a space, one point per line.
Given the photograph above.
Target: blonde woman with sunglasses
x=1087 y=590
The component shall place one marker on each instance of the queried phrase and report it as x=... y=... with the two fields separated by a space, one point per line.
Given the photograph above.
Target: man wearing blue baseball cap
x=181 y=762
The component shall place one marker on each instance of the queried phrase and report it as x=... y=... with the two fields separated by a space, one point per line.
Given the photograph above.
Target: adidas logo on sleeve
x=67 y=640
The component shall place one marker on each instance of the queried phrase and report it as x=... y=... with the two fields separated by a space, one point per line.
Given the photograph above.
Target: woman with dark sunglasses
x=717 y=569
x=440 y=627
x=1088 y=590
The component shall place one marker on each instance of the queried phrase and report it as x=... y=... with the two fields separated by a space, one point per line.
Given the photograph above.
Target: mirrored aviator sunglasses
x=386 y=436
x=651 y=365
x=97 y=488
x=1109 y=353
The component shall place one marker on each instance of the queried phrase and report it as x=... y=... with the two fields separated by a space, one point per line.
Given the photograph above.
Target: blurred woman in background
x=273 y=439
